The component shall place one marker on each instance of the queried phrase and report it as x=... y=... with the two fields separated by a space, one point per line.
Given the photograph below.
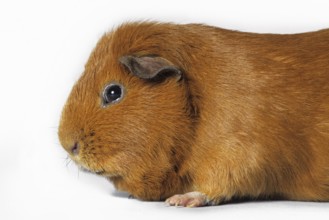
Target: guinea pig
x=196 y=115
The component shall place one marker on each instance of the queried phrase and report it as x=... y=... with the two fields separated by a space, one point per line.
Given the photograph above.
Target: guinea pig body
x=199 y=115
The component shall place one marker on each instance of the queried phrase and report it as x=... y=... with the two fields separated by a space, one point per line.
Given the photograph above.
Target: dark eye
x=112 y=93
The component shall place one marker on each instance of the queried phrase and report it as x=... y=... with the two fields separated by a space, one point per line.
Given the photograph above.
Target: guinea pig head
x=129 y=118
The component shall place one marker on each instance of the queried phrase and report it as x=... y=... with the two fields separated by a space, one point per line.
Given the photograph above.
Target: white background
x=43 y=48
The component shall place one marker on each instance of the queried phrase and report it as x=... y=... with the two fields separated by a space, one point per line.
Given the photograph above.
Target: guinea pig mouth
x=87 y=169
x=84 y=169
x=100 y=172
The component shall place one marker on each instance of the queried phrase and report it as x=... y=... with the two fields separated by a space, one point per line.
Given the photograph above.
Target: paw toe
x=192 y=199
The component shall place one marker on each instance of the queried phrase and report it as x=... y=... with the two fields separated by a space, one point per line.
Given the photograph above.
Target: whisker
x=68 y=161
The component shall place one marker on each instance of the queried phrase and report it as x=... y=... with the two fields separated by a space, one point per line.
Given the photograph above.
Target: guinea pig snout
x=74 y=150
x=76 y=142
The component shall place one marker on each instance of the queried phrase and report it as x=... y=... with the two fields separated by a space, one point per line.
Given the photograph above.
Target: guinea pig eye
x=112 y=93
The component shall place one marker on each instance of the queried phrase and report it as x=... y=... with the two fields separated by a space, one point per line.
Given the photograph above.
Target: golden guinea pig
x=195 y=115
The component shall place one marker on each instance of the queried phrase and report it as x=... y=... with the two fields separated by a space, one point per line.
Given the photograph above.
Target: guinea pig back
x=199 y=115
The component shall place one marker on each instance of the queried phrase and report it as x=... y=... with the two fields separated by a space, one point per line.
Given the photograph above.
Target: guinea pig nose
x=75 y=149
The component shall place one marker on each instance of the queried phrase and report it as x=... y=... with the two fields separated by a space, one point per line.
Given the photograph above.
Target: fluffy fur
x=248 y=118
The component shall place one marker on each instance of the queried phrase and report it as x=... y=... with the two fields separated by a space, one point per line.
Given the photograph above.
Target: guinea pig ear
x=150 y=67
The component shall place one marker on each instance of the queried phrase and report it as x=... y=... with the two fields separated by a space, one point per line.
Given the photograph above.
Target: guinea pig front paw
x=191 y=199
